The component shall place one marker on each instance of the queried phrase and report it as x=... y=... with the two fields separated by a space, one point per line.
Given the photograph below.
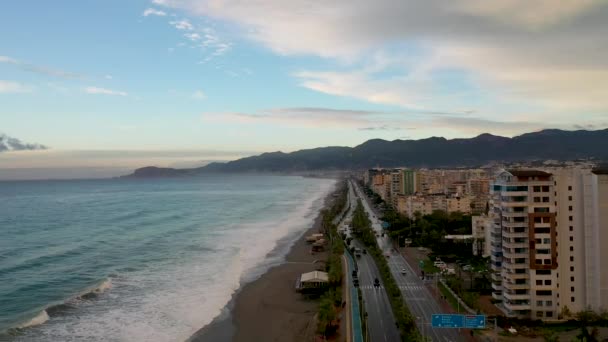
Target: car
x=403 y=271
x=355 y=282
x=376 y=282
x=364 y=251
x=354 y=273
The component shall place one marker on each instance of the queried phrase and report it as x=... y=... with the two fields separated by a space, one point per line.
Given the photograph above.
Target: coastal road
x=418 y=298
x=380 y=319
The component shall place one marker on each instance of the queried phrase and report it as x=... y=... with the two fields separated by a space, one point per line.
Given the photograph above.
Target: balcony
x=508 y=234
x=513 y=296
x=496 y=277
x=512 y=286
x=516 y=306
x=496 y=287
x=515 y=244
x=497 y=295
x=513 y=275
x=518 y=255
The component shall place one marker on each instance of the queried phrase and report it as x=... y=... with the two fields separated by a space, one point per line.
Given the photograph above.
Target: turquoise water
x=135 y=260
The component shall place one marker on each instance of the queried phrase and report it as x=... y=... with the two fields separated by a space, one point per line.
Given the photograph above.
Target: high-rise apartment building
x=548 y=238
x=524 y=243
x=409 y=182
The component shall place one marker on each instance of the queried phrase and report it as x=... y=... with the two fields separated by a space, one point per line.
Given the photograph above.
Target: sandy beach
x=269 y=309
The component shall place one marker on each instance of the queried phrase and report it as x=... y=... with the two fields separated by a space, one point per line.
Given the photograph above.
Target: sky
x=124 y=84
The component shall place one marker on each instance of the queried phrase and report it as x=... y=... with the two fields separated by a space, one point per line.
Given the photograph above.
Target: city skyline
x=233 y=79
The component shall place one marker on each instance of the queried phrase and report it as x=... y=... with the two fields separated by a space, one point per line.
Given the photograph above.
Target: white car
x=403 y=271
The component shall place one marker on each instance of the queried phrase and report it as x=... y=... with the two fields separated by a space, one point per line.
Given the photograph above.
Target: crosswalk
x=402 y=287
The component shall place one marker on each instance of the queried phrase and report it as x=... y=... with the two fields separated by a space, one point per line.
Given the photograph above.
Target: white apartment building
x=582 y=228
x=524 y=244
x=548 y=241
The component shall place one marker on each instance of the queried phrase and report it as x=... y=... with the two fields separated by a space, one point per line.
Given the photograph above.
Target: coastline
x=271 y=298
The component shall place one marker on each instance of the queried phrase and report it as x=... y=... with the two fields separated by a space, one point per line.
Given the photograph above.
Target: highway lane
x=380 y=319
x=417 y=297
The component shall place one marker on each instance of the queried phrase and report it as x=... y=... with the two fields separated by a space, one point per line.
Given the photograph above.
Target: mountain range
x=550 y=144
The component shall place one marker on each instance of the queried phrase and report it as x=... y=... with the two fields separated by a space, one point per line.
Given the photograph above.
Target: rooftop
x=528 y=173
x=600 y=171
x=314 y=276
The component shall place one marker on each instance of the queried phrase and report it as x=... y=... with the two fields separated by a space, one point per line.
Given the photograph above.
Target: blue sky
x=230 y=78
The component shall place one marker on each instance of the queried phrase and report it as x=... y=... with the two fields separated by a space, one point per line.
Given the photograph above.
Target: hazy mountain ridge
x=429 y=152
x=13 y=144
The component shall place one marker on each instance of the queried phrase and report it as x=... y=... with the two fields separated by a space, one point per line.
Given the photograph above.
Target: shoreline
x=271 y=297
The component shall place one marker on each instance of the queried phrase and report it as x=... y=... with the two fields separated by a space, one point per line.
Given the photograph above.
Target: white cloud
x=108 y=77
x=199 y=95
x=518 y=52
x=193 y=36
x=153 y=11
x=8 y=87
x=104 y=91
x=39 y=69
x=183 y=24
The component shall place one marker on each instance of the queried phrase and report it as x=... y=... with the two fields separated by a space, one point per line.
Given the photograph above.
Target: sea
x=140 y=259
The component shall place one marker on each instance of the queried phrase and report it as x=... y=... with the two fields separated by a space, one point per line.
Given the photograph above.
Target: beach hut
x=312 y=281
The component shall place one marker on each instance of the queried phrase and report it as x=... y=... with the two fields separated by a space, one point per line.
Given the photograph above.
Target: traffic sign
x=447 y=321
x=474 y=321
x=458 y=321
x=385 y=225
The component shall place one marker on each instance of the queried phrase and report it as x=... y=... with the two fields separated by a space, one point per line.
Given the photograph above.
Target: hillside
x=430 y=152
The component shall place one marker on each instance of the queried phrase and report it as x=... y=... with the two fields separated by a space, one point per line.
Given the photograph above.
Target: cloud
x=471 y=125
x=512 y=52
x=380 y=128
x=9 y=87
x=183 y=24
x=199 y=95
x=13 y=144
x=311 y=117
x=39 y=69
x=104 y=91
x=153 y=11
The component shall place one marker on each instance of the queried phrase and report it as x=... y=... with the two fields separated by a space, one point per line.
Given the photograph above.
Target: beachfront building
x=312 y=281
x=524 y=244
x=582 y=221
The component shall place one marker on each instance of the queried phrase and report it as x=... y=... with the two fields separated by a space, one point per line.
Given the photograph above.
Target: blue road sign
x=447 y=321
x=385 y=225
x=474 y=321
x=458 y=321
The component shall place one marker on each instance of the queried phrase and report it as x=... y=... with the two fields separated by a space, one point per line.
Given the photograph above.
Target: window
x=536 y=188
x=545 y=199
x=546 y=240
x=569 y=187
x=539 y=303
x=571 y=228
x=572 y=289
x=548 y=282
x=569 y=198
x=569 y=218
x=539 y=241
x=539 y=314
x=571 y=258
x=543 y=292
x=536 y=199
x=572 y=279
x=545 y=188
x=571 y=248
x=571 y=238
x=543 y=272
x=572 y=299
x=571 y=268
x=547 y=261
x=549 y=314
x=538 y=281
x=549 y=303
x=539 y=261
x=570 y=208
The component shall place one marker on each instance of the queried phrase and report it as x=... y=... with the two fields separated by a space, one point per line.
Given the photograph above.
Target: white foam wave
x=40 y=318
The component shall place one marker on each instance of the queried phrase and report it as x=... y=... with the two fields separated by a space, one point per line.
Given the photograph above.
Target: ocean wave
x=40 y=318
x=96 y=290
